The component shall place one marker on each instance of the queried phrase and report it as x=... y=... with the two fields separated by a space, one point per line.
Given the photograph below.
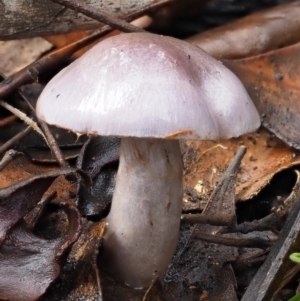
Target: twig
x=48 y=135
x=213 y=219
x=30 y=73
x=273 y=221
x=53 y=144
x=32 y=217
x=266 y=281
x=98 y=15
x=9 y=157
x=98 y=284
x=149 y=289
x=7 y=120
x=234 y=242
x=23 y=117
x=10 y=143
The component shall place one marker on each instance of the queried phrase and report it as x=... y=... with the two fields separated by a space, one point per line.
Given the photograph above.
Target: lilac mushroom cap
x=150 y=90
x=146 y=85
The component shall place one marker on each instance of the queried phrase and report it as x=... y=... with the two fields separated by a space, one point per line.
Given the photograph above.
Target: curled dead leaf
x=29 y=263
x=18 y=199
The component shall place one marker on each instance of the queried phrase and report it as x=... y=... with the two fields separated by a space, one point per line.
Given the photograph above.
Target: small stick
x=271 y=274
x=98 y=15
x=219 y=219
x=32 y=217
x=9 y=157
x=49 y=137
x=30 y=73
x=10 y=143
x=149 y=289
x=7 y=120
x=273 y=221
x=46 y=131
x=23 y=117
x=234 y=242
x=53 y=144
x=98 y=284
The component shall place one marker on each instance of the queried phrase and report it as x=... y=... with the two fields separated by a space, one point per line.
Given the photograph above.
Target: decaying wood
x=29 y=18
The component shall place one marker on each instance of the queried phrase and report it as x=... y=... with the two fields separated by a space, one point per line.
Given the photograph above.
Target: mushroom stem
x=143 y=224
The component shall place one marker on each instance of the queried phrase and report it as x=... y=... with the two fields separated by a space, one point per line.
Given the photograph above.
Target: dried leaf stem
x=50 y=140
x=14 y=140
x=235 y=242
x=23 y=117
x=9 y=156
x=7 y=120
x=98 y=15
x=30 y=73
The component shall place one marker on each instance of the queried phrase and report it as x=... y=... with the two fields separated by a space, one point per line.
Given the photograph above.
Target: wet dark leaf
x=35 y=147
x=18 y=199
x=79 y=279
x=30 y=263
x=99 y=159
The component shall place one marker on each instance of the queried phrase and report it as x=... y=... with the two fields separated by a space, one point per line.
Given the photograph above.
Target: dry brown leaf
x=206 y=161
x=17 y=54
x=272 y=81
x=257 y=33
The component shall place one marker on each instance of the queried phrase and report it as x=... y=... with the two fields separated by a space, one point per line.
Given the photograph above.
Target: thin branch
x=98 y=284
x=149 y=289
x=235 y=242
x=30 y=73
x=220 y=219
x=7 y=120
x=98 y=15
x=9 y=156
x=10 y=143
x=51 y=142
x=23 y=117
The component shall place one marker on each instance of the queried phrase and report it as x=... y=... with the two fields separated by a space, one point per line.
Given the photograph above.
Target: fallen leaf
x=80 y=278
x=99 y=159
x=20 y=53
x=272 y=81
x=29 y=263
x=205 y=162
x=254 y=34
x=18 y=199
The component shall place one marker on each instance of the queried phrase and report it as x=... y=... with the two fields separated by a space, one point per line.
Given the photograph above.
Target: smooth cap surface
x=146 y=85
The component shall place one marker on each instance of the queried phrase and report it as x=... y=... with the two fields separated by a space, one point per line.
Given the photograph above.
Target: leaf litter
x=205 y=164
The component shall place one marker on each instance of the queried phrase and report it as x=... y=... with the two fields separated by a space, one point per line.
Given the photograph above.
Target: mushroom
x=150 y=90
